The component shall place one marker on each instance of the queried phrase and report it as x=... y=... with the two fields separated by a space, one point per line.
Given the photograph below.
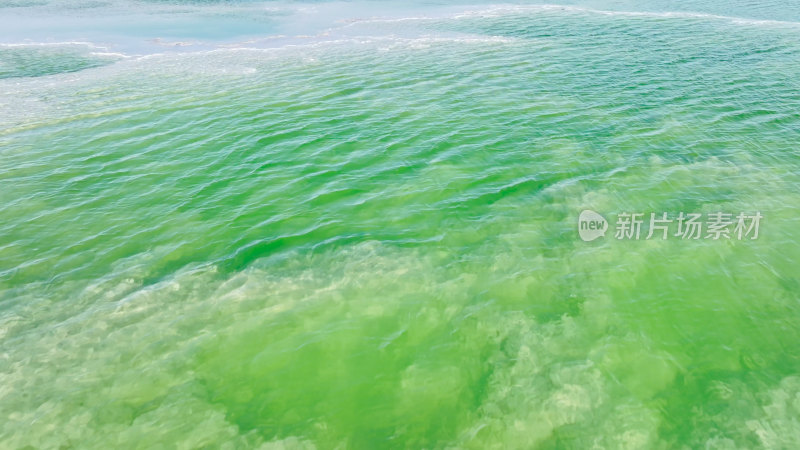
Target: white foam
x=503 y=10
x=52 y=44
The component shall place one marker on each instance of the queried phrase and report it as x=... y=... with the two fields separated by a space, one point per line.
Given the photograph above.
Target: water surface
x=353 y=225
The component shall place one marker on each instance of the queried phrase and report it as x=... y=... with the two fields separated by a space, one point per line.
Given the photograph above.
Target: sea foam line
x=506 y=9
x=502 y=10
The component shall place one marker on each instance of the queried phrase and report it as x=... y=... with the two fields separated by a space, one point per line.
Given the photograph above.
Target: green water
x=371 y=242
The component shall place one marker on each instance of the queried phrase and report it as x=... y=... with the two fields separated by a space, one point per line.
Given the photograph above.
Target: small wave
x=19 y=60
x=503 y=10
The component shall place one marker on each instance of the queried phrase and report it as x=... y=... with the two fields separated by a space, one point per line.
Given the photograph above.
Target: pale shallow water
x=353 y=225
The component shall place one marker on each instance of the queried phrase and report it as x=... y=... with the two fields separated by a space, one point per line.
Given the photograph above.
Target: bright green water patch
x=374 y=245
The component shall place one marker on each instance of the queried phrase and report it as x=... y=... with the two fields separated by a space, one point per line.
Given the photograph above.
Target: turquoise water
x=354 y=225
